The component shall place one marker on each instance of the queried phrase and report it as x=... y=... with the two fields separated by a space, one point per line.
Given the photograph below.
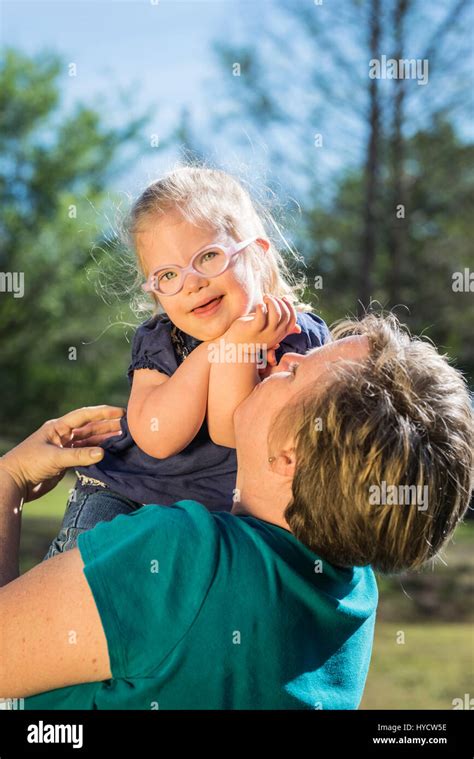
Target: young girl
x=216 y=281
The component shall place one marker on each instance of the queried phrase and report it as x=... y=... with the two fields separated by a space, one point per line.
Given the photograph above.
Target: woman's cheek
x=267 y=371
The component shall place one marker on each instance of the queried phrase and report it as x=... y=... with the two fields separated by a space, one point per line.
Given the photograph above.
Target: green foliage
x=385 y=144
x=54 y=171
x=438 y=221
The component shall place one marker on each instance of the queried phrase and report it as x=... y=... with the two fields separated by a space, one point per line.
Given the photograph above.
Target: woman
x=273 y=605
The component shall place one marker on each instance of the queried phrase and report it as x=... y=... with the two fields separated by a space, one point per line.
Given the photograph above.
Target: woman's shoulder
x=123 y=559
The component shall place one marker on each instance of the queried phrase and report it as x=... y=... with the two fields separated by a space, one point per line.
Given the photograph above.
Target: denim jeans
x=88 y=504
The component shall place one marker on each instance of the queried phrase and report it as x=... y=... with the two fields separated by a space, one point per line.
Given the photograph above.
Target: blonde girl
x=216 y=280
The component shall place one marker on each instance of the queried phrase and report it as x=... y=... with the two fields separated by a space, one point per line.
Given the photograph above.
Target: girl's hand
x=272 y=321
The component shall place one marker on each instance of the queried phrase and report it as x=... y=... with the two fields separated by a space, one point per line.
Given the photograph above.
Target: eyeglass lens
x=210 y=262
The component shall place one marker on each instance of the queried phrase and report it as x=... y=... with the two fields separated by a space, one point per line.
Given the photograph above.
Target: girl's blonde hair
x=210 y=197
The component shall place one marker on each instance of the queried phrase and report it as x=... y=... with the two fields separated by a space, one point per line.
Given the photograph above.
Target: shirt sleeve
x=149 y=573
x=314 y=333
x=152 y=347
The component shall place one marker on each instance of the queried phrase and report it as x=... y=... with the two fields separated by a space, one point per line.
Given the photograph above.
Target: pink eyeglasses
x=210 y=260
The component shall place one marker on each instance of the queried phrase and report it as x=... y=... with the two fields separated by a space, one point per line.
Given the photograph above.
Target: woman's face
x=294 y=374
x=173 y=240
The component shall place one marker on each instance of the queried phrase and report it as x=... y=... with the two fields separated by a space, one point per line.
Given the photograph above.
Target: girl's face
x=173 y=240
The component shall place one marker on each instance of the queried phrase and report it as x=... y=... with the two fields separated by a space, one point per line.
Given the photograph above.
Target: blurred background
x=369 y=179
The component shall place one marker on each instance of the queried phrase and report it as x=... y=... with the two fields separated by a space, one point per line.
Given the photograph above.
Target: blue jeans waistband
x=89 y=484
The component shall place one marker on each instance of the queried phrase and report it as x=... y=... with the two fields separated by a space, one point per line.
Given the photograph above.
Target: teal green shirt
x=210 y=610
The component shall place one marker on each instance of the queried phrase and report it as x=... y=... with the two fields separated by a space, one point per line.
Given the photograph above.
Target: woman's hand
x=39 y=462
x=272 y=321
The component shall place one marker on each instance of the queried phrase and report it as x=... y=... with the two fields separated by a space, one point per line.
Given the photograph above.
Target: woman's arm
x=10 y=528
x=166 y=413
x=46 y=643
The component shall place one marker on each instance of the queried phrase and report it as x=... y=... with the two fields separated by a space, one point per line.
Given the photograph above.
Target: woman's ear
x=284 y=463
x=263 y=243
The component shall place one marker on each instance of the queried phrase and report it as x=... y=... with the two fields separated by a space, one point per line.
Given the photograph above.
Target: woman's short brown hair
x=399 y=420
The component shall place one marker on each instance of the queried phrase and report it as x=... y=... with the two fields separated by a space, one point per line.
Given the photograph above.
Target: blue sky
x=161 y=51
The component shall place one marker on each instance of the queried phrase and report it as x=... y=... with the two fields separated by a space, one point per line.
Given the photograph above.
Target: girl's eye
x=165 y=275
x=211 y=253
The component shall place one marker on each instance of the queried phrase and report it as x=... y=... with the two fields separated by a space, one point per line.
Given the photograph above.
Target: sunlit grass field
x=432 y=612
x=433 y=666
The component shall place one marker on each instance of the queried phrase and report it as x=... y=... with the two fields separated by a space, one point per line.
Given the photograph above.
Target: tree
x=314 y=75
x=384 y=203
x=54 y=170
x=439 y=185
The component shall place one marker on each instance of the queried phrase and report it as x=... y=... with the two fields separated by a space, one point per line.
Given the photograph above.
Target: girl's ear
x=263 y=243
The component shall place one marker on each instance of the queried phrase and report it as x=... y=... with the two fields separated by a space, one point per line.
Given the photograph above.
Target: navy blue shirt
x=203 y=471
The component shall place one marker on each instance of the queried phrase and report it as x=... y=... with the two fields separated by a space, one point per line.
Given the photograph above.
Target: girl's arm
x=230 y=382
x=166 y=413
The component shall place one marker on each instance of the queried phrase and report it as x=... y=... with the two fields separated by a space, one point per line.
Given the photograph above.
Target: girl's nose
x=193 y=281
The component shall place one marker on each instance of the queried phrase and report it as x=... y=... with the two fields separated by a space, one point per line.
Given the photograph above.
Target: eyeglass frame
x=229 y=251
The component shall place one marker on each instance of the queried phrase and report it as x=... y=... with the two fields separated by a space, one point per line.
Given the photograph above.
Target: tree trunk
x=397 y=205
x=369 y=235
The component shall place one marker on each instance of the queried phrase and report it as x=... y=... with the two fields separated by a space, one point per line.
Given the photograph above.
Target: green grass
x=51 y=505
x=433 y=666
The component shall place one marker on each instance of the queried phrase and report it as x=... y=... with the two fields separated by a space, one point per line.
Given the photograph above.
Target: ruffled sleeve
x=152 y=347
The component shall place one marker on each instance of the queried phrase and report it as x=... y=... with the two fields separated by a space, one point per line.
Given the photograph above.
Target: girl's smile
x=205 y=307
x=208 y=308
